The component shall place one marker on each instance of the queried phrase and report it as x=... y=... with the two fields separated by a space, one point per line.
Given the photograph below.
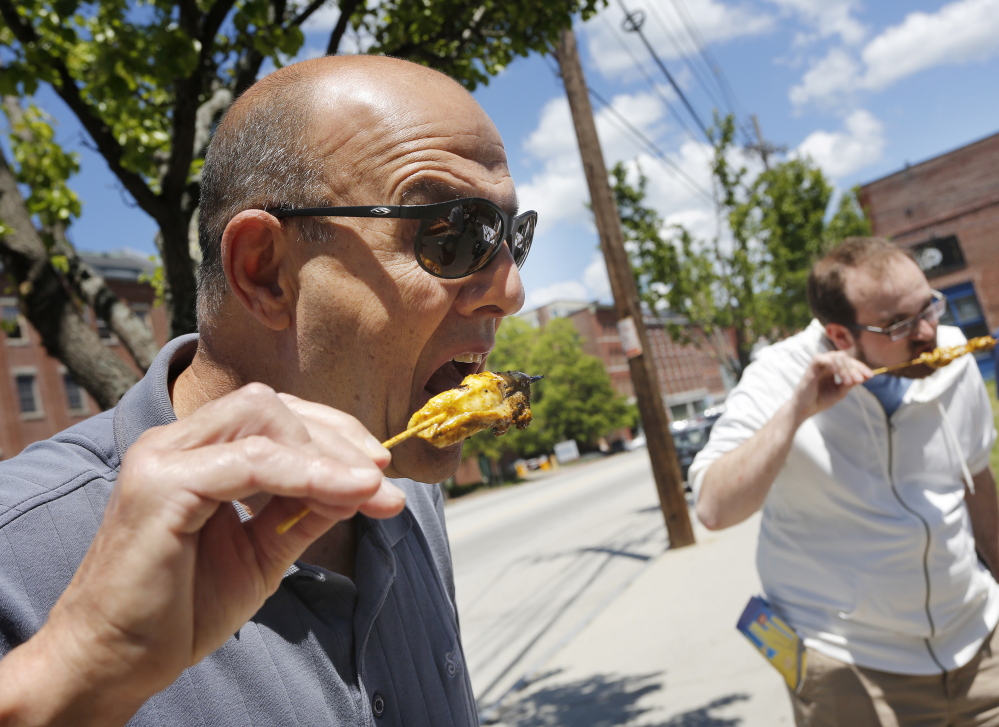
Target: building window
x=12 y=323
x=965 y=312
x=141 y=311
x=27 y=394
x=75 y=400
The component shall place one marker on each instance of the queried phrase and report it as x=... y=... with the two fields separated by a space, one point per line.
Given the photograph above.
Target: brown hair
x=826 y=289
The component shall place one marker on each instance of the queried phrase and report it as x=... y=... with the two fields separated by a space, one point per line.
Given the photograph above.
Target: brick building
x=946 y=210
x=690 y=379
x=38 y=398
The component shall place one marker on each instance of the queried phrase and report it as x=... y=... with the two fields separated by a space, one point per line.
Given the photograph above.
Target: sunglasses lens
x=460 y=242
x=523 y=235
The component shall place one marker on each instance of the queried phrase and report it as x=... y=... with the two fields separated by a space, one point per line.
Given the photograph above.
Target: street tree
x=575 y=400
x=750 y=279
x=147 y=80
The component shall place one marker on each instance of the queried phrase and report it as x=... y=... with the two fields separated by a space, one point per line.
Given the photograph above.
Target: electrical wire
x=648 y=144
x=702 y=47
x=679 y=44
x=633 y=23
x=651 y=147
x=648 y=78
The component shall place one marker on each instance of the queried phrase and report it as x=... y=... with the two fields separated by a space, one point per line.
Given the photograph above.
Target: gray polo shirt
x=381 y=650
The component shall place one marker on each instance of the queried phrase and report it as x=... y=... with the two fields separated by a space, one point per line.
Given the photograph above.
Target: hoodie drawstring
x=950 y=435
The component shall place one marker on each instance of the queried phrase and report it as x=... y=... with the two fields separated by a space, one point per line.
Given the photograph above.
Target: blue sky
x=861 y=87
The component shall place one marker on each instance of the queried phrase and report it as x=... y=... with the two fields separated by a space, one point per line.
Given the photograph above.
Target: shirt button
x=378 y=704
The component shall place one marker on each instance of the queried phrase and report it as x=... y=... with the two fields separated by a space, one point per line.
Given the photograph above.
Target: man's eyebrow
x=430 y=191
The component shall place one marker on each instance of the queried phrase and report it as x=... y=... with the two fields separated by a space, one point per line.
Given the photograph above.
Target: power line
x=647 y=143
x=695 y=34
x=678 y=44
x=652 y=84
x=653 y=149
x=633 y=23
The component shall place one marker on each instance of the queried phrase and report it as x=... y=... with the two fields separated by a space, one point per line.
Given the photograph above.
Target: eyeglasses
x=904 y=328
x=456 y=238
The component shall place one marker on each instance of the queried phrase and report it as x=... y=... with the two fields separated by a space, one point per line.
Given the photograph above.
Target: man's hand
x=827 y=380
x=172 y=572
x=737 y=483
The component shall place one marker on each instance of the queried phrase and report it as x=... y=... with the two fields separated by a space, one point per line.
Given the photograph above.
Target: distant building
x=690 y=380
x=38 y=398
x=946 y=210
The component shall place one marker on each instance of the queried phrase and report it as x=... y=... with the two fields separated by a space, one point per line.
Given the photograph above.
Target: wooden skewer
x=885 y=369
x=291 y=522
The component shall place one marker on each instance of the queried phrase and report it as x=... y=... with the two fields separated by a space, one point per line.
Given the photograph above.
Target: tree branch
x=347 y=10
x=48 y=305
x=86 y=283
x=67 y=89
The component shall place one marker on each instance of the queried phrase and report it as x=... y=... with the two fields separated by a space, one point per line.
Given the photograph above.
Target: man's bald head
x=277 y=144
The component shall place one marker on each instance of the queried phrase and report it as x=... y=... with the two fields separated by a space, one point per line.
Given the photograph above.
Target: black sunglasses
x=456 y=238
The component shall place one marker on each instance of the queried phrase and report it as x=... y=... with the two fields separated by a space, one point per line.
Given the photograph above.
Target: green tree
x=575 y=400
x=148 y=79
x=752 y=280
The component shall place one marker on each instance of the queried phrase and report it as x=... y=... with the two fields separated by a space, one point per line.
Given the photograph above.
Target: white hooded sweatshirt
x=865 y=542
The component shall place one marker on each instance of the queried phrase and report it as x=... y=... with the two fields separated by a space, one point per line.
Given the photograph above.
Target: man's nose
x=925 y=330
x=494 y=291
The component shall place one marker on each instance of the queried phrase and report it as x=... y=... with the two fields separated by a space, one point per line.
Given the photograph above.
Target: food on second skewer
x=939 y=357
x=481 y=401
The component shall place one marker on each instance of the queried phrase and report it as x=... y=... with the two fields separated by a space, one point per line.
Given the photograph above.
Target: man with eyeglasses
x=360 y=245
x=879 y=537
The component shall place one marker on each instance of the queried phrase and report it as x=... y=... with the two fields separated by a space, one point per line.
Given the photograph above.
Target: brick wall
x=26 y=355
x=954 y=194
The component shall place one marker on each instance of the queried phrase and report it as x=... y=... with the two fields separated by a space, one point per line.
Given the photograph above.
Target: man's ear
x=841 y=336
x=255 y=258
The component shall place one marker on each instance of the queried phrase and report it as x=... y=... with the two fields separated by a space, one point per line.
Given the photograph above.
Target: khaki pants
x=843 y=695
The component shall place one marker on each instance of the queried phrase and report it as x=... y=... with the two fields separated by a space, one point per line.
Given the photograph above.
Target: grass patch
x=990 y=385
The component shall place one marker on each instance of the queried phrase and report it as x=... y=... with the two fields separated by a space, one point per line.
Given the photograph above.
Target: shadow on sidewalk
x=606 y=701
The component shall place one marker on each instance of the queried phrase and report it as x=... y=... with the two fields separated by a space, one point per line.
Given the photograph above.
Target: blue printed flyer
x=773 y=638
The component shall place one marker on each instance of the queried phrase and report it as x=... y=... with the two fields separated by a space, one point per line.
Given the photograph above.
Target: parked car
x=690 y=436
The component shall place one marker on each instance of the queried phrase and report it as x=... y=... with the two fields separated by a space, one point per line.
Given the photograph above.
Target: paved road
x=534 y=564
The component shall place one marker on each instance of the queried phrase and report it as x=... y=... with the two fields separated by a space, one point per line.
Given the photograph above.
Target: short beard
x=917 y=371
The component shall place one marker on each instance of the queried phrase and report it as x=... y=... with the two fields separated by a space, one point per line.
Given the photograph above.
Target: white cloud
x=614 y=51
x=841 y=153
x=595 y=285
x=828 y=17
x=960 y=32
x=596 y=279
x=835 y=75
x=963 y=31
x=559 y=193
x=565 y=290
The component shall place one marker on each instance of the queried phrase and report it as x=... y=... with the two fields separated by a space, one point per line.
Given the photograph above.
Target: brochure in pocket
x=773 y=638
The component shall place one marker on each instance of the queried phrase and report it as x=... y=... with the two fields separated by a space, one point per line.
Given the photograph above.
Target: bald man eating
x=353 y=218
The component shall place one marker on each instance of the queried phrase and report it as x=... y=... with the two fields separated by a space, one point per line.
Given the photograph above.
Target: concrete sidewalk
x=665 y=651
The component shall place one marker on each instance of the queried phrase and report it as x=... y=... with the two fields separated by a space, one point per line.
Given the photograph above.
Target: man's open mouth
x=451 y=374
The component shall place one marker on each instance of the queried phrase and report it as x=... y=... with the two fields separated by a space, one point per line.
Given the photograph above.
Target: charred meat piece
x=481 y=401
x=942 y=356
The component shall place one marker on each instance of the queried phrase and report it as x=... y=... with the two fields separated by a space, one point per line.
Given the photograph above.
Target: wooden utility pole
x=631 y=325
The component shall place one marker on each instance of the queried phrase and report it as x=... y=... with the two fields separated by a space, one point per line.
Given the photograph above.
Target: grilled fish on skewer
x=940 y=357
x=484 y=400
x=481 y=401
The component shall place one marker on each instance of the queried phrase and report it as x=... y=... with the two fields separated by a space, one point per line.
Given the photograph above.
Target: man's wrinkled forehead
x=390 y=133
